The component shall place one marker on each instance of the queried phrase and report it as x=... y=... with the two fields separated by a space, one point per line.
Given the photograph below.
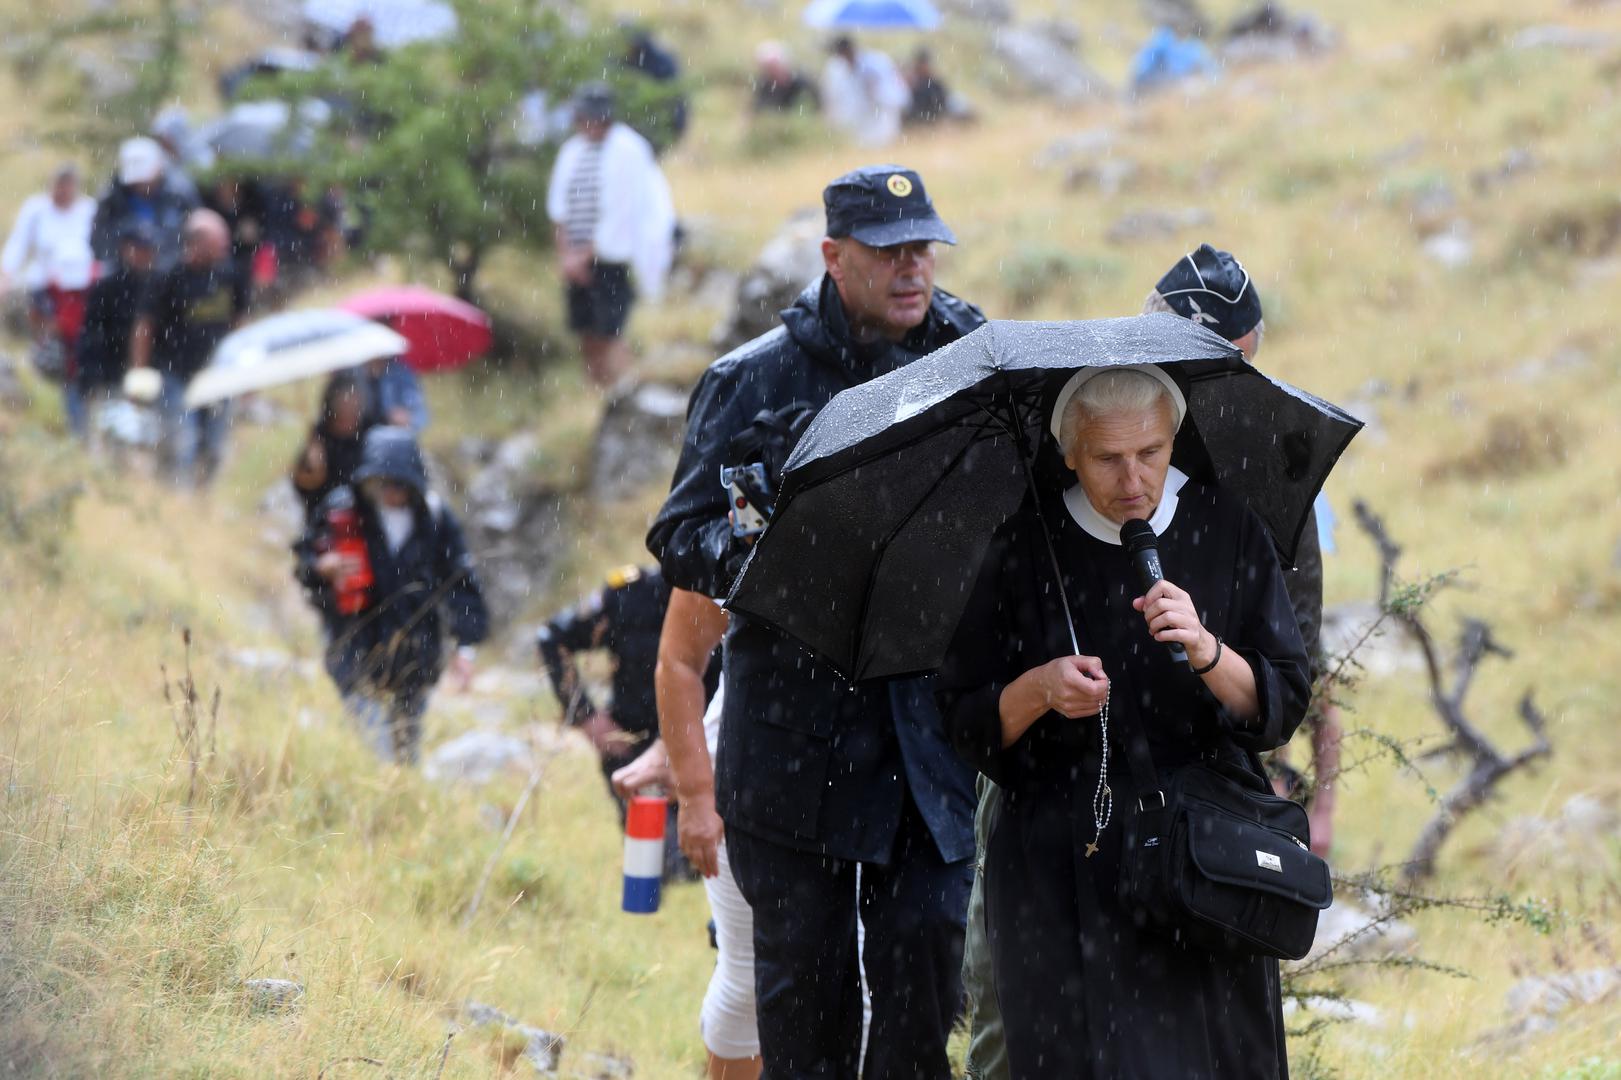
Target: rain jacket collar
x=818 y=324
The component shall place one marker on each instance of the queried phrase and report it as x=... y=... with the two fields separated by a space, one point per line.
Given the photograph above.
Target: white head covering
x=1179 y=402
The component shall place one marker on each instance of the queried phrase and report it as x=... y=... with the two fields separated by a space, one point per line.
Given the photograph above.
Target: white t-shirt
x=712 y=722
x=398 y=524
x=51 y=246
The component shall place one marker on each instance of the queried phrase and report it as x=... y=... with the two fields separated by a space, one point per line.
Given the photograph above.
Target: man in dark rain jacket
x=818 y=778
x=384 y=562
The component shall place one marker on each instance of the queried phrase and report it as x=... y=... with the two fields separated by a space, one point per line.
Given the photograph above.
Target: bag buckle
x=1141 y=808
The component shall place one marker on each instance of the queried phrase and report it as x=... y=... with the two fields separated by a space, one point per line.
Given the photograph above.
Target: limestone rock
x=1453 y=247
x=1271 y=33
x=543 y=1050
x=790 y=260
x=1157 y=224
x=1085 y=146
x=638 y=440
x=476 y=758
x=270 y=995
x=1385 y=652
x=1350 y=931
x=1340 y=1010
x=1043 y=58
x=1564 y=38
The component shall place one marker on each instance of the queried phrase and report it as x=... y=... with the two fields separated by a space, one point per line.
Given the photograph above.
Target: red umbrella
x=444 y=332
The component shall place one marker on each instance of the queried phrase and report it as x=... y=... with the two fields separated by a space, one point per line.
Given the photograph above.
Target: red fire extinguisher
x=346 y=539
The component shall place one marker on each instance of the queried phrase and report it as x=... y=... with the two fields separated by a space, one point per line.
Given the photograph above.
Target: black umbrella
x=891 y=498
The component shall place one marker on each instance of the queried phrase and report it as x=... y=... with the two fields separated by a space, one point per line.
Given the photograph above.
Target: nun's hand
x=1074 y=686
x=1169 y=612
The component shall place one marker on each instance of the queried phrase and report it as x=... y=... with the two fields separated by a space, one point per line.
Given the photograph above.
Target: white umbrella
x=290 y=347
x=394 y=22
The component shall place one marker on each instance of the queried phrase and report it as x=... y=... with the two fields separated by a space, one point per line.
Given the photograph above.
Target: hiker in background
x=863 y=93
x=932 y=100
x=1167 y=59
x=652 y=60
x=332 y=453
x=109 y=321
x=610 y=206
x=144 y=190
x=181 y=319
x=384 y=563
x=778 y=85
x=187 y=153
x=48 y=254
x=394 y=394
x=623 y=619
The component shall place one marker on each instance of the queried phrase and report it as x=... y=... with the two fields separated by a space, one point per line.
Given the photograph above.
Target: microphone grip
x=1149 y=574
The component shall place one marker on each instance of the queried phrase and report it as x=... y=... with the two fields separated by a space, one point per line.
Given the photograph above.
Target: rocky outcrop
x=789 y=261
x=1044 y=59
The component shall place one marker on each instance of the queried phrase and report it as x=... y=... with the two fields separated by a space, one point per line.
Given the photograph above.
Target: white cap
x=1179 y=402
x=142 y=385
x=140 y=160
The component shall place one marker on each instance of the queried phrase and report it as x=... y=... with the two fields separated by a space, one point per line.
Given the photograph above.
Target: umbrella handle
x=1052 y=554
x=1041 y=516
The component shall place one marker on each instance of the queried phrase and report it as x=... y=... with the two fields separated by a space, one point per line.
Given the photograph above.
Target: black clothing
x=192 y=309
x=1304 y=582
x=297 y=225
x=626 y=619
x=653 y=60
x=109 y=318
x=806 y=981
x=794 y=94
x=931 y=102
x=1213 y=289
x=164 y=212
x=806 y=759
x=602 y=307
x=814 y=774
x=343 y=455
x=1083 y=992
x=395 y=646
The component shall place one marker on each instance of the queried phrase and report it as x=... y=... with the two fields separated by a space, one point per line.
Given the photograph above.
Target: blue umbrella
x=872 y=15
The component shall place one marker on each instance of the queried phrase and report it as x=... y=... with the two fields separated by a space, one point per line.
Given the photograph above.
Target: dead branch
x=1449 y=690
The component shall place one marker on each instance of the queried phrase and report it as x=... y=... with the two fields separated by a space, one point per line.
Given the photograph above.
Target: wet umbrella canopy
x=892 y=496
x=872 y=15
x=288 y=347
x=442 y=332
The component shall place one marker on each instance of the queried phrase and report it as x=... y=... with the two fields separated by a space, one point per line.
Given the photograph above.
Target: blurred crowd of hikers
x=861 y=91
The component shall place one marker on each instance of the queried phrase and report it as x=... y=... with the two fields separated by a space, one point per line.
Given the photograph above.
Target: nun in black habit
x=1084 y=991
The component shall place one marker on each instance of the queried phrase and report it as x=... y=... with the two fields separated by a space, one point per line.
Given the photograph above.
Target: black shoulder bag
x=1211 y=856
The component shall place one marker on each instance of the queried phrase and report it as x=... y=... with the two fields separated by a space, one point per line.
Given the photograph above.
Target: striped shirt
x=585 y=195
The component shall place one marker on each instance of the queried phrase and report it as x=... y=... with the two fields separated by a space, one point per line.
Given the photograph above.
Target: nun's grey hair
x=1110 y=392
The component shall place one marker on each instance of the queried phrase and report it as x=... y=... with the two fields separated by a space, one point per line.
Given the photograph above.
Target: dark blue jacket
x=806 y=759
x=397 y=641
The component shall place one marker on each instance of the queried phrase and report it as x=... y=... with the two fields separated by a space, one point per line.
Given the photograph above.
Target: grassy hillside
x=129 y=913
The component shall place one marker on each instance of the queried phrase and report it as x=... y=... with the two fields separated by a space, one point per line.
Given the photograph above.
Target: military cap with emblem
x=881 y=206
x=1213 y=289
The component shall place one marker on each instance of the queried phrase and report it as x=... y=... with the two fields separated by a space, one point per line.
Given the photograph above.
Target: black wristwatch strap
x=1214 y=660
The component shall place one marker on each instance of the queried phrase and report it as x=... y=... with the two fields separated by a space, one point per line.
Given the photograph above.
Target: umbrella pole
x=1041 y=516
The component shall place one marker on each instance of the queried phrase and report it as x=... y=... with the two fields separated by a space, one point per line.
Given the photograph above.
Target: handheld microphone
x=1139 y=539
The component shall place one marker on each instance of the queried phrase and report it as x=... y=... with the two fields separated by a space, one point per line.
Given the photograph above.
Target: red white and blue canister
x=644 y=853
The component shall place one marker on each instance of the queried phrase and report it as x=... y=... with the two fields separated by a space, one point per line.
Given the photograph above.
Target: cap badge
x=899 y=186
